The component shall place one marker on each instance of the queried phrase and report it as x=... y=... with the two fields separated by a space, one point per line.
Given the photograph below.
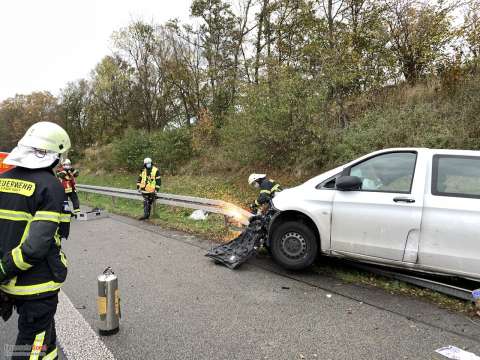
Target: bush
x=275 y=124
x=129 y=151
x=434 y=122
x=97 y=159
x=169 y=149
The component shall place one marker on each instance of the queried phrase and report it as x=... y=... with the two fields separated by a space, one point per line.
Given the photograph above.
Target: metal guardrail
x=191 y=202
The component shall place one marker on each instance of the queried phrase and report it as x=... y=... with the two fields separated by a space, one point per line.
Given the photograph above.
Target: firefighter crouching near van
x=33 y=221
x=267 y=187
x=67 y=174
x=148 y=184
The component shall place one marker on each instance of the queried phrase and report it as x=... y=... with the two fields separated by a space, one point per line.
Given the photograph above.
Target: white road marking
x=76 y=337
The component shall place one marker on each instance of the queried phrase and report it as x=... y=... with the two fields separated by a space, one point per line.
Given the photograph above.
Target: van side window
x=328 y=184
x=390 y=172
x=457 y=176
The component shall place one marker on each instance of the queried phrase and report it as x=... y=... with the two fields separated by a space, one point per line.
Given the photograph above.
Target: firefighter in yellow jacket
x=33 y=220
x=148 y=184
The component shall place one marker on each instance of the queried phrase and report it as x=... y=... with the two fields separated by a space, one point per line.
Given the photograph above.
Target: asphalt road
x=177 y=304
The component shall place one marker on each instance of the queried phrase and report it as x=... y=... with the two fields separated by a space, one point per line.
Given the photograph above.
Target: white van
x=413 y=208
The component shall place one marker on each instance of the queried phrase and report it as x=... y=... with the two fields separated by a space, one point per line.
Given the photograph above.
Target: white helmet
x=147 y=161
x=47 y=136
x=66 y=163
x=40 y=146
x=254 y=177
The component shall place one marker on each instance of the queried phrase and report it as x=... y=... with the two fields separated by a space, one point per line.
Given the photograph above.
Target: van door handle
x=404 y=199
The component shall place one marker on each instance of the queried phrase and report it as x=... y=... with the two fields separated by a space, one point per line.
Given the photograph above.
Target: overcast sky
x=46 y=43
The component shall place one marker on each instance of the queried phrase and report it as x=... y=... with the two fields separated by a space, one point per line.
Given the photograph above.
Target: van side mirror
x=349 y=183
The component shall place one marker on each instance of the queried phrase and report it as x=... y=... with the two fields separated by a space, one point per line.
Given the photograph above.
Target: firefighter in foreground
x=267 y=187
x=148 y=184
x=33 y=220
x=67 y=174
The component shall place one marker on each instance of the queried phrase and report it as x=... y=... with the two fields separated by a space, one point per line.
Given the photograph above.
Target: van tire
x=294 y=245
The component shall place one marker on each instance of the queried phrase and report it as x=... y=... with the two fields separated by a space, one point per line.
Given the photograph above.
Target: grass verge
x=354 y=276
x=165 y=216
x=170 y=217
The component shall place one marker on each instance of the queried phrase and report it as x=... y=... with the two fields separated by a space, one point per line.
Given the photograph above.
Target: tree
x=419 y=34
x=471 y=29
x=185 y=74
x=112 y=106
x=217 y=34
x=17 y=114
x=139 y=45
x=75 y=100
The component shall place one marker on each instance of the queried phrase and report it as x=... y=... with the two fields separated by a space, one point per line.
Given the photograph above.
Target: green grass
x=234 y=190
x=395 y=287
x=167 y=216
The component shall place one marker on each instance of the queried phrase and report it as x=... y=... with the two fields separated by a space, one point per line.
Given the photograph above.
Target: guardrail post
x=113 y=201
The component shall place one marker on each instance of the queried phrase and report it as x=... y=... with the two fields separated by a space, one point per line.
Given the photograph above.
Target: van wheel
x=294 y=245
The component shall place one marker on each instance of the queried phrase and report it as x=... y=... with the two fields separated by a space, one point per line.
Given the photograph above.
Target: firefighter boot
x=146 y=210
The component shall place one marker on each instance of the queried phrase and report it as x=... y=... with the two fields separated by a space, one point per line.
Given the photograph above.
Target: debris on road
x=237 y=251
x=199 y=215
x=452 y=352
x=242 y=248
x=93 y=214
x=329 y=296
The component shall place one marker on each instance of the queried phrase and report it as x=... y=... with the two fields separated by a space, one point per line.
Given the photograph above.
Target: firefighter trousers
x=36 y=329
x=148 y=200
x=73 y=196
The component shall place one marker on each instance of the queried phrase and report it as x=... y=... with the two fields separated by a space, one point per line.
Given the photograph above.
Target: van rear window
x=457 y=176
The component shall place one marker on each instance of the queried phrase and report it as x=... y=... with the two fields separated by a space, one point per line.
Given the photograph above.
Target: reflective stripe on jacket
x=31 y=210
x=67 y=178
x=268 y=188
x=149 y=180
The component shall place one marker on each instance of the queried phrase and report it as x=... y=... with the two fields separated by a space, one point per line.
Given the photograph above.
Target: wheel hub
x=294 y=245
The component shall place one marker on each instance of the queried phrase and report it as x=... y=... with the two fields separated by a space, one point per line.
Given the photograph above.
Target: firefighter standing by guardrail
x=148 y=184
x=67 y=174
x=268 y=188
x=33 y=220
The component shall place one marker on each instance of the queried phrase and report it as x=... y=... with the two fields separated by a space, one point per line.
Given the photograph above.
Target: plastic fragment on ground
x=199 y=215
x=452 y=352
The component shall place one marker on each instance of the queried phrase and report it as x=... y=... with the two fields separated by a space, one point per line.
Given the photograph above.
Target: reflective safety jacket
x=149 y=180
x=268 y=188
x=33 y=220
x=67 y=178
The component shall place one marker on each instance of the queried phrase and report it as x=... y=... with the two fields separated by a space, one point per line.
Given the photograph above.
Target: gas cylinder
x=108 y=303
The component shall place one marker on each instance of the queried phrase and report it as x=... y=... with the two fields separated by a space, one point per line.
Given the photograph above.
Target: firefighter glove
x=6 y=306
